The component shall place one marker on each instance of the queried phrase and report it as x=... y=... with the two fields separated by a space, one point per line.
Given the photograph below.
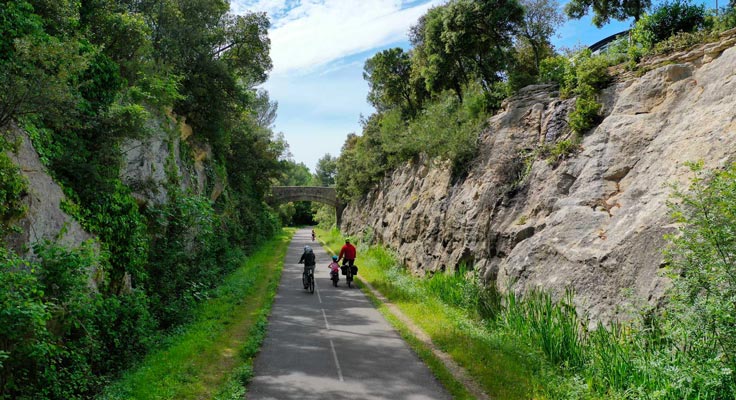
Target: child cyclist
x=334 y=269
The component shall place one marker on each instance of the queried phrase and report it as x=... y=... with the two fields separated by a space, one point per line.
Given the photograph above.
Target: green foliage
x=465 y=40
x=324 y=215
x=55 y=334
x=702 y=263
x=604 y=11
x=668 y=19
x=555 y=69
x=682 y=41
x=541 y=19
x=389 y=77
x=187 y=256
x=326 y=170
x=726 y=19
x=581 y=77
x=211 y=357
x=446 y=129
x=560 y=150
x=37 y=71
x=13 y=187
x=585 y=115
x=23 y=332
x=82 y=78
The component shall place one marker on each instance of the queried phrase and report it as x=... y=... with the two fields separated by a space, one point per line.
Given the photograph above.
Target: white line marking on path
x=325 y=315
x=332 y=345
x=337 y=363
x=318 y=296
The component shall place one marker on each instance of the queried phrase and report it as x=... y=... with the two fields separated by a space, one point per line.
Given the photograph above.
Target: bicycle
x=308 y=280
x=349 y=271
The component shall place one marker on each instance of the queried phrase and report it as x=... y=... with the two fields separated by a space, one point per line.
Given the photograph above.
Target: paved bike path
x=333 y=344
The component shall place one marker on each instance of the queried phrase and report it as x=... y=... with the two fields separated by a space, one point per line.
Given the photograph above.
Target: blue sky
x=318 y=48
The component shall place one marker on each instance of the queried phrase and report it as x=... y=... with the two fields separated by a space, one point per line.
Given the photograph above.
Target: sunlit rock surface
x=594 y=222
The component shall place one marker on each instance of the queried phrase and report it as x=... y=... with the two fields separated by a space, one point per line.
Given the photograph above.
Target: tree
x=541 y=19
x=604 y=10
x=37 y=70
x=482 y=32
x=439 y=66
x=389 y=76
x=326 y=170
x=464 y=40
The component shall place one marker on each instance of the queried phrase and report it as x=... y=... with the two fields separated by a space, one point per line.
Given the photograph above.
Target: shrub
x=585 y=115
x=560 y=150
x=702 y=265
x=683 y=40
x=57 y=338
x=555 y=70
x=12 y=188
x=24 y=337
x=667 y=19
x=726 y=19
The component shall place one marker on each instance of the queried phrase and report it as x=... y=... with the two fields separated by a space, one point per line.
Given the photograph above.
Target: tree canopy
x=605 y=10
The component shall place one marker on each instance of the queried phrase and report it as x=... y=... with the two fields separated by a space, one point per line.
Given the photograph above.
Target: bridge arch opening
x=324 y=195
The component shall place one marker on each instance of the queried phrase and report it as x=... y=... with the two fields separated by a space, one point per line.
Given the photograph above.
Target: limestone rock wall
x=44 y=219
x=170 y=142
x=594 y=221
x=144 y=168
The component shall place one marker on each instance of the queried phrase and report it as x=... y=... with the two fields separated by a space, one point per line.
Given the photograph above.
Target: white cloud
x=307 y=34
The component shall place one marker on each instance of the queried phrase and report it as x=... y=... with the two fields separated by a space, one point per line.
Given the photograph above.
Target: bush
x=12 y=188
x=668 y=19
x=57 y=339
x=25 y=340
x=555 y=70
x=585 y=115
x=683 y=40
x=726 y=19
x=703 y=269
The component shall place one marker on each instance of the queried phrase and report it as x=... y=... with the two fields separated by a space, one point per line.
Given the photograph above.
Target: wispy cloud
x=308 y=34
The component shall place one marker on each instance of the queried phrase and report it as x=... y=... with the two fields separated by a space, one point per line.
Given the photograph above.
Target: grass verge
x=212 y=356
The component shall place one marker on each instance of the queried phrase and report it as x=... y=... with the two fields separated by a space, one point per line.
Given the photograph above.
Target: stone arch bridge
x=325 y=195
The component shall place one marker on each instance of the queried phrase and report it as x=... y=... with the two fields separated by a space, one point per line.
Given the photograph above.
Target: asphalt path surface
x=333 y=344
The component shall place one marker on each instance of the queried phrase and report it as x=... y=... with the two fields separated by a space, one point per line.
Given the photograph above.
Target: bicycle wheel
x=311 y=283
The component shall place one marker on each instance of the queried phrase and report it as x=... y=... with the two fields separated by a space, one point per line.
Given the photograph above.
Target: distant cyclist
x=309 y=261
x=347 y=253
x=313 y=235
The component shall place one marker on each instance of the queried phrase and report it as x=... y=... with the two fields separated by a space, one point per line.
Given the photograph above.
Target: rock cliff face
x=594 y=221
x=44 y=219
x=145 y=163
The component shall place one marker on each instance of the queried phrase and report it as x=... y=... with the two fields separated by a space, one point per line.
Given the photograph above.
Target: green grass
x=212 y=357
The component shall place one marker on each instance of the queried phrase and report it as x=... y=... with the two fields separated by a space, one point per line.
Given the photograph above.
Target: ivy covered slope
x=117 y=216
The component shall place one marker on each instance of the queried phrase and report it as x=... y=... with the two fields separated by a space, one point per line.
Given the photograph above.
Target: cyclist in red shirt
x=348 y=253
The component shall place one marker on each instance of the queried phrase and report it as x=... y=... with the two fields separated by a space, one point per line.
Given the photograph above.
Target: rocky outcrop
x=594 y=221
x=44 y=219
x=145 y=165
x=146 y=161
